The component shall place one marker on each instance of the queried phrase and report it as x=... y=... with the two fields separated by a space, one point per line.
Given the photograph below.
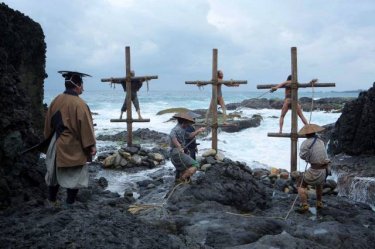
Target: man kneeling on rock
x=184 y=164
x=314 y=152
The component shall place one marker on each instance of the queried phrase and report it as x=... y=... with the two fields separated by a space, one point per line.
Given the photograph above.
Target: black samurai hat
x=73 y=77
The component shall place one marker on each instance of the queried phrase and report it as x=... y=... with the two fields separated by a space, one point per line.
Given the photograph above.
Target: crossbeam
x=123 y=80
x=293 y=86
x=128 y=80
x=215 y=83
x=225 y=82
x=300 y=85
x=288 y=135
x=116 y=120
x=213 y=125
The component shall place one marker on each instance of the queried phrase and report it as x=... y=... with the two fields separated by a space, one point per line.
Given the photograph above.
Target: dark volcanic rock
x=144 y=135
x=354 y=132
x=324 y=104
x=241 y=124
x=22 y=63
x=228 y=184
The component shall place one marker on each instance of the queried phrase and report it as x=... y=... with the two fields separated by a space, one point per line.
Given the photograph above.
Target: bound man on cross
x=288 y=102
x=135 y=86
x=220 y=99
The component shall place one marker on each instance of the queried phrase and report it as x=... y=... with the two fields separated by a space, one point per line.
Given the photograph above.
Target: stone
x=109 y=161
x=284 y=175
x=210 y=152
x=123 y=162
x=118 y=159
x=132 y=149
x=210 y=160
x=281 y=184
x=295 y=175
x=330 y=183
x=219 y=156
x=206 y=166
x=157 y=157
x=259 y=172
x=136 y=159
x=124 y=154
x=102 y=182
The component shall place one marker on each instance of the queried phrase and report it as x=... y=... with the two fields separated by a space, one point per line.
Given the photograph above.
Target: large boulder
x=22 y=63
x=354 y=131
x=229 y=184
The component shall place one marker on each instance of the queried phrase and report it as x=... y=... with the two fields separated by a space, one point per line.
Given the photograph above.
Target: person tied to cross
x=136 y=84
x=69 y=128
x=184 y=164
x=313 y=151
x=220 y=99
x=288 y=101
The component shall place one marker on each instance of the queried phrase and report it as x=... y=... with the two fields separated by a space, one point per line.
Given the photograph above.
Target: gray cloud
x=174 y=39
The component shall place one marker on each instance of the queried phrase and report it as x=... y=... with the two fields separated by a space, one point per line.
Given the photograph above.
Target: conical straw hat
x=310 y=128
x=184 y=115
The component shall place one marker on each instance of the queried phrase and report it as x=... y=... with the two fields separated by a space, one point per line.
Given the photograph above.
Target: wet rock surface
x=206 y=212
x=22 y=62
x=145 y=135
x=354 y=131
x=323 y=104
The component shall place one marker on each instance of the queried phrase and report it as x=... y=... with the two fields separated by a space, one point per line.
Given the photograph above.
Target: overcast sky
x=174 y=39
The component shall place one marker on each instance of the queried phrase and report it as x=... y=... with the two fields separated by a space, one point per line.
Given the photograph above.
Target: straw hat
x=184 y=115
x=193 y=114
x=310 y=128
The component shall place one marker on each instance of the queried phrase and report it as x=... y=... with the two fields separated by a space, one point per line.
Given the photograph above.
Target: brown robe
x=77 y=135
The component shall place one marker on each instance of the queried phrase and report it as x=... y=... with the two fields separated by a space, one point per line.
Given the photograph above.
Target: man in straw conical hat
x=313 y=151
x=184 y=164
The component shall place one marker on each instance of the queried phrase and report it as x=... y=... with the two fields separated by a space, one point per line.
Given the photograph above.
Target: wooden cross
x=128 y=79
x=294 y=98
x=214 y=82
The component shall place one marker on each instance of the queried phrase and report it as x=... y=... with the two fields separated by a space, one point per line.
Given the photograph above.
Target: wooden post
x=128 y=81
x=293 y=135
x=128 y=98
x=214 y=99
x=214 y=82
x=294 y=130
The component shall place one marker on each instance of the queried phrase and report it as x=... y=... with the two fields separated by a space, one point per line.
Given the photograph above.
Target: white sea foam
x=250 y=145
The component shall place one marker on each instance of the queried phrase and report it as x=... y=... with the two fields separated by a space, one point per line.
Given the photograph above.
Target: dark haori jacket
x=70 y=117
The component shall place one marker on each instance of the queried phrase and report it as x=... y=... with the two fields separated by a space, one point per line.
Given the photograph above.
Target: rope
x=136 y=208
x=312 y=97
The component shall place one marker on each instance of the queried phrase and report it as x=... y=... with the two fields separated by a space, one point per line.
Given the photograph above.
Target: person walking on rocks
x=313 y=151
x=69 y=126
x=136 y=84
x=288 y=102
x=184 y=164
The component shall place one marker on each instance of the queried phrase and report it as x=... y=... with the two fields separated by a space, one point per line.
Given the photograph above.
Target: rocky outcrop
x=323 y=104
x=227 y=207
x=22 y=62
x=354 y=132
x=143 y=135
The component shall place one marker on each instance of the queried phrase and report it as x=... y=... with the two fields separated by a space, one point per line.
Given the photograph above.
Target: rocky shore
x=226 y=204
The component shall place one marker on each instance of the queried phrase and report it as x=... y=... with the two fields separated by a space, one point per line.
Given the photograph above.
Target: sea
x=251 y=146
